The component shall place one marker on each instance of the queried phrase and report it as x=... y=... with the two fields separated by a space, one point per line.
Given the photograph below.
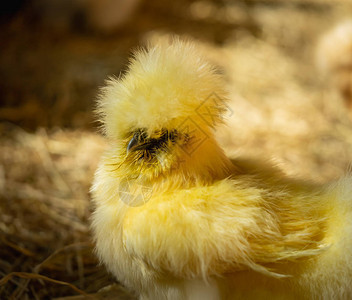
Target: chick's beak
x=132 y=143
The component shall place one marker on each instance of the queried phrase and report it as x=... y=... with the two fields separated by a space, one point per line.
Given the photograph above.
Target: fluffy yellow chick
x=175 y=218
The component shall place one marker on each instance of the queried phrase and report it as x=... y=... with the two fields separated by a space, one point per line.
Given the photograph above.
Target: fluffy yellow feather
x=175 y=218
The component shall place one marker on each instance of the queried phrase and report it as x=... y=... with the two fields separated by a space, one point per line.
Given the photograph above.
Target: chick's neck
x=202 y=165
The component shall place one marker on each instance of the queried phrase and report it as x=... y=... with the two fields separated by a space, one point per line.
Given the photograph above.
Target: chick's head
x=163 y=110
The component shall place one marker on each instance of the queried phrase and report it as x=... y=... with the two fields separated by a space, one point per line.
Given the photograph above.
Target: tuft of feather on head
x=164 y=85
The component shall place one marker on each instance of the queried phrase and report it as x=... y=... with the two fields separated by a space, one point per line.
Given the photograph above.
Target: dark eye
x=141 y=135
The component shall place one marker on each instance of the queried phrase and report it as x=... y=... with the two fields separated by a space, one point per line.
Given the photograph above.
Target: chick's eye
x=142 y=135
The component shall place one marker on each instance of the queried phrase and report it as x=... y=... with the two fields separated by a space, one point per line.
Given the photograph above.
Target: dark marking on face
x=150 y=145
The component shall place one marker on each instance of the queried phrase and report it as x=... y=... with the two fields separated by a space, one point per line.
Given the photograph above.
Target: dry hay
x=44 y=183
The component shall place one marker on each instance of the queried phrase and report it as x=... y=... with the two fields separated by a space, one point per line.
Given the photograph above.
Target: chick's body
x=177 y=219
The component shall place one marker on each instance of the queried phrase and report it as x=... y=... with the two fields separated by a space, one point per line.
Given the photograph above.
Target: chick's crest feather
x=161 y=88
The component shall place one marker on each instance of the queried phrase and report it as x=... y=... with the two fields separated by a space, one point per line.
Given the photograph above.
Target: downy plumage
x=175 y=218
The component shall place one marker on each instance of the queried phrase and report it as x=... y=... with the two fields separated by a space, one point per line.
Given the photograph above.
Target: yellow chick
x=175 y=218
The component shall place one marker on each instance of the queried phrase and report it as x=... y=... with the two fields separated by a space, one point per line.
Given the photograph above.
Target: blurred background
x=287 y=65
